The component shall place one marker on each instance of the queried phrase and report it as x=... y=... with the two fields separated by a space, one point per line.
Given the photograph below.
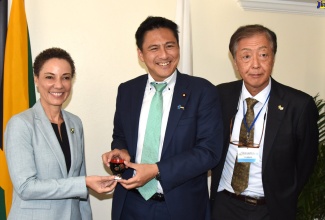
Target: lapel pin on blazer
x=280 y=107
x=184 y=95
x=72 y=130
x=180 y=107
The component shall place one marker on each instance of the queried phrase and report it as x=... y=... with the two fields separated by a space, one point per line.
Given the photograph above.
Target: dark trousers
x=228 y=208
x=136 y=208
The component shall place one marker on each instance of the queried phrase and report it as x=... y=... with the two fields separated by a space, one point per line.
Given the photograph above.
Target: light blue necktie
x=152 y=138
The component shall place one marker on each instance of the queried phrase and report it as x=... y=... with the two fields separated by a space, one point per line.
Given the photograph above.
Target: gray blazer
x=42 y=187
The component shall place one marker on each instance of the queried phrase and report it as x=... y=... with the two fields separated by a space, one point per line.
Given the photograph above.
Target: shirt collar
x=261 y=96
x=171 y=80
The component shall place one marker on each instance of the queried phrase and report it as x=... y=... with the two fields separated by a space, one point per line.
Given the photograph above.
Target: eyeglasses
x=248 y=145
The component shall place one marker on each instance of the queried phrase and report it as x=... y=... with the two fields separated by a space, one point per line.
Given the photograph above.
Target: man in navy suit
x=285 y=138
x=191 y=133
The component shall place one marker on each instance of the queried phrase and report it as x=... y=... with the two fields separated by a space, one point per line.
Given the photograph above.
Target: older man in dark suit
x=270 y=132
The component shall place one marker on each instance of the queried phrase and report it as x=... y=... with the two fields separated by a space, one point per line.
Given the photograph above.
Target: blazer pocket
x=36 y=204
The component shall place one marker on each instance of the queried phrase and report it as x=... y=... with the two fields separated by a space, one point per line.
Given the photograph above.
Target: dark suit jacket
x=192 y=144
x=290 y=146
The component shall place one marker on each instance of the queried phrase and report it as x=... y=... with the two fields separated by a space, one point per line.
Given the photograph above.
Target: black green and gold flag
x=18 y=84
x=3 y=34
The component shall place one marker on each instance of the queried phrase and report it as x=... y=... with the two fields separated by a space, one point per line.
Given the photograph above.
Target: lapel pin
x=72 y=130
x=280 y=107
x=184 y=95
x=180 y=107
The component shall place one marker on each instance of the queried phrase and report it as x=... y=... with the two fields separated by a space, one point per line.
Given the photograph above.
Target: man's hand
x=123 y=154
x=101 y=184
x=144 y=173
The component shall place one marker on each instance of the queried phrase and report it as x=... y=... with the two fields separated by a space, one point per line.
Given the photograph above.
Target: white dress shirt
x=255 y=185
x=167 y=101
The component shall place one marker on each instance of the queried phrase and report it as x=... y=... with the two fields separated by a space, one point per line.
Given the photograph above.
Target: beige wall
x=99 y=35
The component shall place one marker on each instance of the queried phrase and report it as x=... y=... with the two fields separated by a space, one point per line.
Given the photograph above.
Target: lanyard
x=258 y=114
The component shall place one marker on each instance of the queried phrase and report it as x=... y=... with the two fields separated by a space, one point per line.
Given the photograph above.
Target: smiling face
x=54 y=82
x=160 y=53
x=254 y=61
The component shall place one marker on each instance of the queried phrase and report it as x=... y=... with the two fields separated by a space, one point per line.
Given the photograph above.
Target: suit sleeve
x=85 y=208
x=119 y=141
x=199 y=144
x=307 y=142
x=23 y=171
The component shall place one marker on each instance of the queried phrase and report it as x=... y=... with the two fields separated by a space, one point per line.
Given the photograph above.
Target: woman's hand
x=101 y=184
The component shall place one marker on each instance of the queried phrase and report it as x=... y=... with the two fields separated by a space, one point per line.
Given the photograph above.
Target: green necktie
x=152 y=138
x=240 y=176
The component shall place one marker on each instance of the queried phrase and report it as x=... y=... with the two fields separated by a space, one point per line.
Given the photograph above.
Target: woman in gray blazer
x=45 y=150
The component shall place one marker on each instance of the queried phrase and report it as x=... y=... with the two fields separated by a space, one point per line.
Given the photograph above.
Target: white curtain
x=183 y=20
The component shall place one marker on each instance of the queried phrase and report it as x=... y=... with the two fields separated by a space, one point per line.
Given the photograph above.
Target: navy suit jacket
x=192 y=145
x=290 y=145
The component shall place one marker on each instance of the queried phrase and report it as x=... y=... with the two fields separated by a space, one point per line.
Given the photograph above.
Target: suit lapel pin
x=184 y=95
x=72 y=130
x=180 y=107
x=280 y=107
